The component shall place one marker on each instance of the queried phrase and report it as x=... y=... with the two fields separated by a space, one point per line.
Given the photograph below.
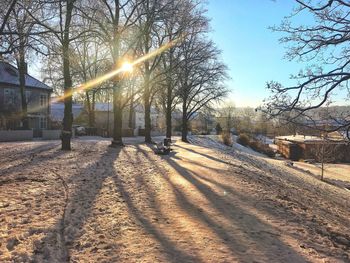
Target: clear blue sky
x=251 y=50
x=240 y=28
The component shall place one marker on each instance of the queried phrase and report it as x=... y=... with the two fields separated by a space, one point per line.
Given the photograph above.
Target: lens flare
x=126 y=67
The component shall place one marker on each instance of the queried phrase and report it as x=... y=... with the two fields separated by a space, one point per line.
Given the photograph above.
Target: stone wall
x=16 y=135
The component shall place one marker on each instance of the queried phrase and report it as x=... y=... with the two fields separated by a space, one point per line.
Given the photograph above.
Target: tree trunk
x=147 y=105
x=169 y=94
x=148 y=138
x=93 y=109
x=184 y=122
x=108 y=112
x=89 y=107
x=323 y=157
x=131 y=112
x=22 y=68
x=168 y=112
x=68 y=115
x=118 y=118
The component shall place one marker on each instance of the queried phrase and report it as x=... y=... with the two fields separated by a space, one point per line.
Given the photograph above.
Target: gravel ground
x=198 y=204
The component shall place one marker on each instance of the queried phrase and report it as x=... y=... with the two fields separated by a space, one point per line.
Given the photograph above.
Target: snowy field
x=337 y=174
x=204 y=202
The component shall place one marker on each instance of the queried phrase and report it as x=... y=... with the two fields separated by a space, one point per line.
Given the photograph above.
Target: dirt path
x=195 y=205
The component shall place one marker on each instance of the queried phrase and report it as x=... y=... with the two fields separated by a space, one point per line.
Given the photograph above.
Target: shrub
x=243 y=139
x=262 y=148
x=227 y=138
x=256 y=145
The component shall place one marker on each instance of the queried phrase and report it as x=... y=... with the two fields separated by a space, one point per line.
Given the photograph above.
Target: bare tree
x=20 y=38
x=326 y=152
x=57 y=18
x=325 y=41
x=150 y=23
x=227 y=115
x=114 y=20
x=19 y=33
x=201 y=78
x=4 y=17
x=90 y=61
x=176 y=20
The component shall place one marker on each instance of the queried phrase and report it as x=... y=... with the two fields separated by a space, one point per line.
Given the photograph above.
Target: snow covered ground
x=336 y=174
x=204 y=202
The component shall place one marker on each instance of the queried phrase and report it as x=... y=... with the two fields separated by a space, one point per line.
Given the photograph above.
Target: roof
x=299 y=138
x=306 y=139
x=101 y=106
x=57 y=110
x=9 y=75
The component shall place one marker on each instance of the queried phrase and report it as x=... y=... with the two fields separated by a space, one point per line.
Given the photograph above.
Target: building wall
x=34 y=102
x=101 y=121
x=289 y=150
x=1 y=98
x=297 y=151
x=13 y=106
x=38 y=103
x=340 y=152
x=157 y=121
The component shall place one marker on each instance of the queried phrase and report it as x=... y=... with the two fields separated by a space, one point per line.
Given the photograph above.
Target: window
x=43 y=123
x=10 y=97
x=43 y=100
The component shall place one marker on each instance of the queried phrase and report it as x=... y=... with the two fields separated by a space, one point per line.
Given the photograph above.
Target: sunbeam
x=126 y=67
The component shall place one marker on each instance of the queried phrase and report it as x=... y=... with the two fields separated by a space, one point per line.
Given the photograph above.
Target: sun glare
x=127 y=67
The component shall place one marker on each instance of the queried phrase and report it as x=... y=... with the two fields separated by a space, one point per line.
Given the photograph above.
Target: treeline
x=81 y=40
x=253 y=122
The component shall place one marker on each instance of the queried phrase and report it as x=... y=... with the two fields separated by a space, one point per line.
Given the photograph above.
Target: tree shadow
x=172 y=252
x=233 y=213
x=287 y=201
x=203 y=154
x=225 y=206
x=32 y=156
x=87 y=184
x=62 y=237
x=296 y=184
x=244 y=231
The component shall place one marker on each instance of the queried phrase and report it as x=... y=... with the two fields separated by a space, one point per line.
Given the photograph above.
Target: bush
x=262 y=148
x=256 y=145
x=227 y=138
x=243 y=139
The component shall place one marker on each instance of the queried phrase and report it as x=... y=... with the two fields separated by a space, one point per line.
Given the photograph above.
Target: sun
x=126 y=67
